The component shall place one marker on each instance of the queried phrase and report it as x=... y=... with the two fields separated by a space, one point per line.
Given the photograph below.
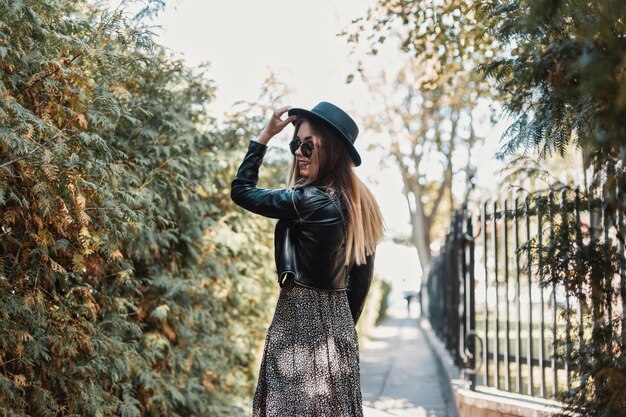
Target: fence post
x=485 y=349
x=568 y=326
x=470 y=300
x=555 y=380
x=496 y=318
x=507 y=325
x=542 y=340
x=529 y=354
x=518 y=295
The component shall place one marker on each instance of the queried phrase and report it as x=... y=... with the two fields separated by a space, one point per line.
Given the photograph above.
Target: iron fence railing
x=450 y=292
x=502 y=323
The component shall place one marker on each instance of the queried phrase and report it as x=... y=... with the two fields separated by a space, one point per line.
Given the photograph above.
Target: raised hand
x=275 y=125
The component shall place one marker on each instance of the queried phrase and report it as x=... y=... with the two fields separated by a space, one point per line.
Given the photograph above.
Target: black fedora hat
x=338 y=120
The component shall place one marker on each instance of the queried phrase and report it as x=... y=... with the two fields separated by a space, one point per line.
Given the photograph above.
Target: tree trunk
x=420 y=229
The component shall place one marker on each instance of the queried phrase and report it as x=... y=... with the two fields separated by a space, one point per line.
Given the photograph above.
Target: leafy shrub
x=129 y=283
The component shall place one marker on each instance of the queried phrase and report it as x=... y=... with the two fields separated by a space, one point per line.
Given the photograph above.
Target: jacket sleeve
x=358 y=285
x=277 y=204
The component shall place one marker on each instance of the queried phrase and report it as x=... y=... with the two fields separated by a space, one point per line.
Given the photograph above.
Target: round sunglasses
x=307 y=147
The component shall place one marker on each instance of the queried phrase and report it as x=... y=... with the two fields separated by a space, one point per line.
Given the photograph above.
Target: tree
x=560 y=73
x=432 y=108
x=431 y=137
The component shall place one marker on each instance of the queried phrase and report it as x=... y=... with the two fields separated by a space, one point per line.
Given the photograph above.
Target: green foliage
x=579 y=255
x=375 y=308
x=383 y=305
x=130 y=284
x=451 y=26
x=558 y=67
x=560 y=72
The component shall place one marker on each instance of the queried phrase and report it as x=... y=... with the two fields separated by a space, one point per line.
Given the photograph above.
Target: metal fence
x=502 y=323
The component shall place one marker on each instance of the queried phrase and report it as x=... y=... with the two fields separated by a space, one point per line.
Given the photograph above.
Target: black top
x=310 y=235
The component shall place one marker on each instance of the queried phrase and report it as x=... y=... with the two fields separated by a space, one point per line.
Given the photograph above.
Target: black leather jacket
x=309 y=239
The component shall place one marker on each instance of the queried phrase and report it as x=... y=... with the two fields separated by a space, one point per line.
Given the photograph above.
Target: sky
x=245 y=41
x=296 y=40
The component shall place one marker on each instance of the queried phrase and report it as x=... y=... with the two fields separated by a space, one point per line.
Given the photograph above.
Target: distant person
x=328 y=227
x=409 y=296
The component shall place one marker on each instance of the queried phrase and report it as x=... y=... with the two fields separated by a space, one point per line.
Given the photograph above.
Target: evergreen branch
x=148 y=181
x=99 y=31
x=100 y=208
x=167 y=161
x=8 y=362
x=30 y=153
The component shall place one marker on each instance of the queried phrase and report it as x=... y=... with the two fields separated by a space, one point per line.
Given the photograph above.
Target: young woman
x=328 y=227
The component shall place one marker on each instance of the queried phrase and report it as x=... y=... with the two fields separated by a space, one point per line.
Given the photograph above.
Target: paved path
x=399 y=374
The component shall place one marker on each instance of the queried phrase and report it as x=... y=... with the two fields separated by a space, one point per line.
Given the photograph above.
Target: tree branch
x=31 y=152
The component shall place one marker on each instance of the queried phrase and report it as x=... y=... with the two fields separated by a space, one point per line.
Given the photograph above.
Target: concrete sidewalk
x=400 y=376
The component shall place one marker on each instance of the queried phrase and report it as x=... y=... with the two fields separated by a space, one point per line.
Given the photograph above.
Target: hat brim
x=356 y=158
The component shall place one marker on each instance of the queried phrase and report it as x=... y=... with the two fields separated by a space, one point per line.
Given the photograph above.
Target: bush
x=129 y=283
x=375 y=308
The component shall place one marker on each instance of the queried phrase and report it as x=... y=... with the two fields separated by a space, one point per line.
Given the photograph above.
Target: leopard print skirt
x=310 y=364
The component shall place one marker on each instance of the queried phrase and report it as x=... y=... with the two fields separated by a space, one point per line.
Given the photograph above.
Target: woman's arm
x=358 y=285
x=278 y=204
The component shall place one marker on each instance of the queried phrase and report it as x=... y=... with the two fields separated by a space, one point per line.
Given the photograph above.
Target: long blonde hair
x=331 y=167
